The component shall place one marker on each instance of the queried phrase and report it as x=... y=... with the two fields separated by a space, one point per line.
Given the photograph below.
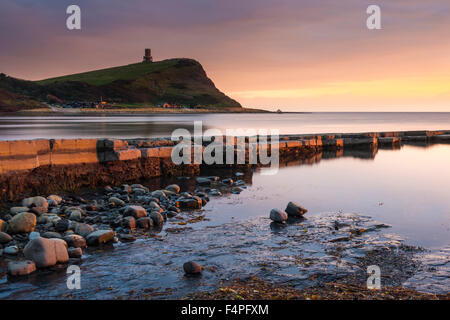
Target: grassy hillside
x=105 y=76
x=176 y=81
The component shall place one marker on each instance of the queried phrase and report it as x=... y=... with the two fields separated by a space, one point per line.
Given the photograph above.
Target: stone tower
x=148 y=55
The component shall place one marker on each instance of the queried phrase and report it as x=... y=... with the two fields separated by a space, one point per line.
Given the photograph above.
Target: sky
x=293 y=55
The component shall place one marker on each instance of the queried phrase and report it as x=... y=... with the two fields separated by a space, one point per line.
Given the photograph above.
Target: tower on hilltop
x=148 y=55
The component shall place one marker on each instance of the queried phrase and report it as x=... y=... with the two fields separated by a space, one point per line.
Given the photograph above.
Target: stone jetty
x=44 y=166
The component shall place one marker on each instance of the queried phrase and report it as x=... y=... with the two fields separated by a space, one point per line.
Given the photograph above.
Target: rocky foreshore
x=45 y=231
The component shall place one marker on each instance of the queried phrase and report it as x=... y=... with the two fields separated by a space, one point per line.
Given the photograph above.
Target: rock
x=52 y=203
x=116 y=202
x=158 y=194
x=16 y=210
x=46 y=252
x=75 y=213
x=127 y=237
x=75 y=240
x=61 y=241
x=35 y=202
x=154 y=206
x=215 y=192
x=139 y=186
x=126 y=188
x=135 y=211
x=228 y=181
x=171 y=213
x=39 y=210
x=99 y=237
x=4 y=238
x=192 y=267
x=62 y=225
x=34 y=235
x=57 y=199
x=239 y=183
x=3 y=225
x=108 y=189
x=50 y=234
x=293 y=209
x=144 y=223
x=83 y=229
x=129 y=222
x=203 y=181
x=11 y=250
x=277 y=215
x=139 y=191
x=42 y=219
x=22 y=223
x=53 y=220
x=157 y=218
x=191 y=203
x=237 y=190
x=75 y=253
x=21 y=268
x=174 y=188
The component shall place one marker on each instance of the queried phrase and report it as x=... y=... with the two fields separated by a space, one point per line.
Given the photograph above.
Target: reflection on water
x=407 y=189
x=144 y=126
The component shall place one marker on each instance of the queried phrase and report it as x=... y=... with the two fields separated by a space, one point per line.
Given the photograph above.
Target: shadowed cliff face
x=175 y=81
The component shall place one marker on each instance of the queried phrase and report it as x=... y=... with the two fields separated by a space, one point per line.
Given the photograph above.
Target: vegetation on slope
x=175 y=81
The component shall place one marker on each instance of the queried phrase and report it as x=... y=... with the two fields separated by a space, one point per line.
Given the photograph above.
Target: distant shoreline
x=129 y=111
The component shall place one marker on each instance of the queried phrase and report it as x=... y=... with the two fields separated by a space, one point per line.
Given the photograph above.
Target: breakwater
x=43 y=166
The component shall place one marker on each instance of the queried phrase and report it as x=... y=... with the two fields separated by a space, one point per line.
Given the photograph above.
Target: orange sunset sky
x=294 y=55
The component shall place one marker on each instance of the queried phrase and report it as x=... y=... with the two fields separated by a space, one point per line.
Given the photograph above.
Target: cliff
x=175 y=81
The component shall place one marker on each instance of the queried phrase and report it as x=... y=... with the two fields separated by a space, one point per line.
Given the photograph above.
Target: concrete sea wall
x=44 y=166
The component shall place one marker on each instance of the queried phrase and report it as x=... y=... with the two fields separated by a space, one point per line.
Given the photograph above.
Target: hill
x=176 y=81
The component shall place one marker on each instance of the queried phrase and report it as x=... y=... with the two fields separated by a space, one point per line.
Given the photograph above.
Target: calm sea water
x=12 y=128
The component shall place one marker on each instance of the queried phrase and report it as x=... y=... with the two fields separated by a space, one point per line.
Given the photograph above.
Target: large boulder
x=277 y=215
x=35 y=202
x=21 y=268
x=135 y=211
x=24 y=222
x=46 y=252
x=100 y=237
x=293 y=209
